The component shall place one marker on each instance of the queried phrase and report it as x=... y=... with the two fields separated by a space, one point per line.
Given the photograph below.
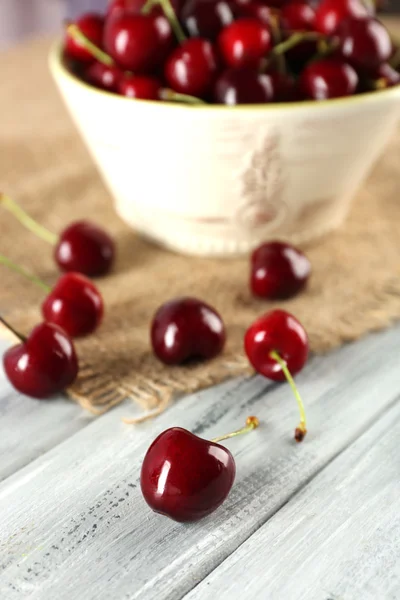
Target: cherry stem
x=21 y=271
x=251 y=423
x=295 y=40
x=27 y=221
x=277 y=37
x=74 y=31
x=171 y=96
x=301 y=430
x=170 y=15
x=16 y=333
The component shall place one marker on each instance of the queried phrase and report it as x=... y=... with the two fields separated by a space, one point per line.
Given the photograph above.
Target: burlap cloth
x=355 y=286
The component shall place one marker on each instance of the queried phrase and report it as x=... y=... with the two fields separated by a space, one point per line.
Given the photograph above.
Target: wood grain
x=74 y=524
x=337 y=539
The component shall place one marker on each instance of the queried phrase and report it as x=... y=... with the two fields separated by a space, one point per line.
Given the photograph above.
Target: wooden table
x=317 y=521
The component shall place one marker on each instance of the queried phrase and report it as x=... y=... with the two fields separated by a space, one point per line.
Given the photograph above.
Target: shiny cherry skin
x=85 y=248
x=331 y=13
x=104 y=77
x=118 y=7
x=278 y=271
x=75 y=305
x=364 y=43
x=134 y=42
x=243 y=86
x=329 y=78
x=206 y=18
x=141 y=87
x=298 y=16
x=281 y=332
x=386 y=74
x=44 y=364
x=245 y=43
x=254 y=10
x=185 y=477
x=186 y=329
x=191 y=68
x=92 y=26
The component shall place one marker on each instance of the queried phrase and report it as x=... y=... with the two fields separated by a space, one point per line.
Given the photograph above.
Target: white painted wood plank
x=28 y=428
x=338 y=539
x=74 y=524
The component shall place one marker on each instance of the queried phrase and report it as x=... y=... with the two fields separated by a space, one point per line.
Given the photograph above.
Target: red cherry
x=140 y=87
x=185 y=477
x=387 y=75
x=133 y=41
x=42 y=365
x=298 y=16
x=186 y=328
x=103 y=76
x=206 y=18
x=75 y=305
x=364 y=43
x=281 y=332
x=92 y=26
x=278 y=271
x=329 y=78
x=85 y=248
x=254 y=10
x=243 y=86
x=192 y=67
x=117 y=7
x=330 y=14
x=245 y=43
x=284 y=86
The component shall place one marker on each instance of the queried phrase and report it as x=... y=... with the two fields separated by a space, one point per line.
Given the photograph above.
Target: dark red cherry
x=133 y=41
x=192 y=67
x=244 y=43
x=364 y=43
x=281 y=332
x=206 y=18
x=385 y=75
x=254 y=9
x=331 y=13
x=92 y=26
x=243 y=86
x=278 y=271
x=104 y=77
x=284 y=87
x=185 y=477
x=75 y=305
x=44 y=364
x=185 y=329
x=117 y=7
x=85 y=248
x=140 y=87
x=329 y=78
x=298 y=16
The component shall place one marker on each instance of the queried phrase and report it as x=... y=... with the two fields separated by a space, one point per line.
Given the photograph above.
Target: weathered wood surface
x=73 y=524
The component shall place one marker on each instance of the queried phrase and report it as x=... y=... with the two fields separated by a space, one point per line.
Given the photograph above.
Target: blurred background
x=24 y=18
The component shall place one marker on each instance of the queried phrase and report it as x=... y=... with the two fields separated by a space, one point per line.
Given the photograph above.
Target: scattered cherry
x=277 y=331
x=329 y=78
x=243 y=86
x=206 y=18
x=278 y=271
x=185 y=329
x=192 y=67
x=92 y=26
x=364 y=43
x=104 y=77
x=75 y=305
x=42 y=365
x=298 y=16
x=185 y=477
x=245 y=43
x=331 y=13
x=140 y=87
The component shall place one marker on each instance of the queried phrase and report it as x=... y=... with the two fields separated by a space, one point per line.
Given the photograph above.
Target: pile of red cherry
x=182 y=330
x=233 y=51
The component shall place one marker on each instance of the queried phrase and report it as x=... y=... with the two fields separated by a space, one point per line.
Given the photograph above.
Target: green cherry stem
x=21 y=271
x=277 y=37
x=74 y=31
x=293 y=41
x=301 y=430
x=26 y=220
x=251 y=423
x=170 y=95
x=170 y=15
x=13 y=331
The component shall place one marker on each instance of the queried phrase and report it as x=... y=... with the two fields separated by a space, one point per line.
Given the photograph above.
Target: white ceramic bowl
x=217 y=180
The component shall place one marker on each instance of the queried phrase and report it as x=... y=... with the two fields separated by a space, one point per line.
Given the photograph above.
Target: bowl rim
x=57 y=67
